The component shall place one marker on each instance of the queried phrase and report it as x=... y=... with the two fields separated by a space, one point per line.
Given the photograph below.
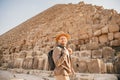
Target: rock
x=115 y=43
x=81 y=66
x=28 y=63
x=95 y=39
x=117 y=64
x=18 y=63
x=110 y=36
x=103 y=38
x=96 y=54
x=92 y=46
x=83 y=36
x=83 y=47
x=109 y=67
x=85 y=54
x=108 y=53
x=113 y=28
x=97 y=33
x=104 y=30
x=72 y=46
x=117 y=35
x=35 y=62
x=76 y=53
x=40 y=63
x=93 y=66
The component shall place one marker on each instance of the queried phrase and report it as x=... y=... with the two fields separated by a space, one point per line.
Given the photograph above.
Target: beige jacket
x=63 y=64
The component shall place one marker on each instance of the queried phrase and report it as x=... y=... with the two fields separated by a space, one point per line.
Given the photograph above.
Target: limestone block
x=93 y=66
x=103 y=38
x=97 y=54
x=83 y=47
x=97 y=33
x=72 y=46
x=29 y=54
x=110 y=36
x=109 y=67
x=18 y=63
x=95 y=39
x=85 y=54
x=35 y=62
x=28 y=63
x=108 y=53
x=117 y=35
x=23 y=54
x=81 y=66
x=76 y=53
x=92 y=46
x=104 y=30
x=40 y=64
x=113 y=28
x=117 y=65
x=83 y=36
x=115 y=43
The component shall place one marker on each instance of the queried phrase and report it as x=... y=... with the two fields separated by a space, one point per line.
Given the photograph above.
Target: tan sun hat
x=62 y=34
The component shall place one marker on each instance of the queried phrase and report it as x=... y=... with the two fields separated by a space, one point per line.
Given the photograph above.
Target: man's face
x=63 y=40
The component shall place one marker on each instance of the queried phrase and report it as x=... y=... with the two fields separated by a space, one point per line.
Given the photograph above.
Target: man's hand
x=70 y=50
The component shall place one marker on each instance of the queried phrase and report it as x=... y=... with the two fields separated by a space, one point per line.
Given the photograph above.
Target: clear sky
x=14 y=12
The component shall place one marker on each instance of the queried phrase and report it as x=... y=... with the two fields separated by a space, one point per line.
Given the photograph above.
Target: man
x=61 y=57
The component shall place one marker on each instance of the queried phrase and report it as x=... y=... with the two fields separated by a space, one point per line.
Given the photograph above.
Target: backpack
x=50 y=60
x=51 y=63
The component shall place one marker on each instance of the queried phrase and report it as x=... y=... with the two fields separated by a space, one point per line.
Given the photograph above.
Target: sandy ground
x=45 y=75
x=6 y=75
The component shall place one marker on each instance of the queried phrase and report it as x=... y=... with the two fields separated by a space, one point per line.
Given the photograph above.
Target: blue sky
x=14 y=12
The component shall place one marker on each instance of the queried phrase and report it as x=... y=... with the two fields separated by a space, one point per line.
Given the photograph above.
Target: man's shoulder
x=57 y=48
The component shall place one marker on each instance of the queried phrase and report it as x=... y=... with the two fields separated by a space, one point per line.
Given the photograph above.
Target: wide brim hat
x=62 y=34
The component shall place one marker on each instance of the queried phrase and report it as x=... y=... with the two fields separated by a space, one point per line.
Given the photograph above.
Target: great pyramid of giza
x=95 y=38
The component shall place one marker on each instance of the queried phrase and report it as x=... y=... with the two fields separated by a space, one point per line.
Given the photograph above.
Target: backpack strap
x=62 y=51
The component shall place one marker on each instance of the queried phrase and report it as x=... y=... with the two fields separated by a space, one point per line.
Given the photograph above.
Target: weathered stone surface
x=117 y=35
x=109 y=67
x=113 y=28
x=97 y=54
x=27 y=63
x=103 y=38
x=92 y=46
x=115 y=43
x=97 y=33
x=108 y=53
x=105 y=30
x=18 y=63
x=93 y=66
x=110 y=36
x=85 y=54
